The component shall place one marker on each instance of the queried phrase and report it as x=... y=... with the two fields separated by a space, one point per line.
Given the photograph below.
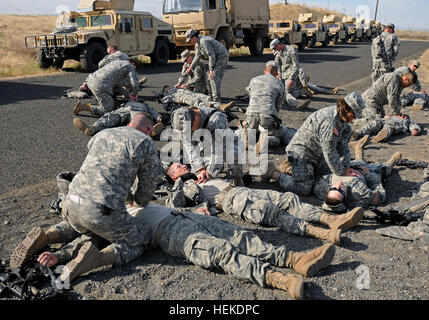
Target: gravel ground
x=398 y=270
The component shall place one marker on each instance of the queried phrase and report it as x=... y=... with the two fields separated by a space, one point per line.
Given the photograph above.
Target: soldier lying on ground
x=173 y=98
x=95 y=204
x=417 y=100
x=321 y=145
x=411 y=67
x=186 y=121
x=386 y=91
x=267 y=95
x=308 y=88
x=120 y=117
x=263 y=207
x=387 y=127
x=102 y=82
x=196 y=80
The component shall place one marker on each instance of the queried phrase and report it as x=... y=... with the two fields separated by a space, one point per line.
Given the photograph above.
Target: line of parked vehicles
x=84 y=36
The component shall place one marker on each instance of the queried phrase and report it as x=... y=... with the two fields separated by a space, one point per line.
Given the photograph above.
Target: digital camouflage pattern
x=118 y=55
x=415 y=99
x=385 y=91
x=393 y=125
x=266 y=94
x=103 y=81
x=384 y=50
x=186 y=97
x=123 y=115
x=196 y=79
x=405 y=70
x=218 y=57
x=287 y=60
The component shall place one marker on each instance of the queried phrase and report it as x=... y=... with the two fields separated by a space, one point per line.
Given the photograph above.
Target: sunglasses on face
x=339 y=190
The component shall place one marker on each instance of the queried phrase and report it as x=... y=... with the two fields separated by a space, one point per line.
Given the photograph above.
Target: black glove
x=187 y=176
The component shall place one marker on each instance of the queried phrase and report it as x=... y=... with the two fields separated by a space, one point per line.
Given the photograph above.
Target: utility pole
x=376 y=10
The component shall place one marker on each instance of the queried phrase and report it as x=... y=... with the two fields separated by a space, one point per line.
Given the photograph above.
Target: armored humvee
x=316 y=30
x=288 y=32
x=336 y=29
x=85 y=35
x=354 y=31
x=231 y=22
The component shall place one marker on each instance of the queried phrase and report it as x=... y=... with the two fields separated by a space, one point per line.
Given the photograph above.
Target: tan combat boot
x=88 y=258
x=304 y=105
x=417 y=107
x=35 y=240
x=142 y=81
x=380 y=136
x=82 y=126
x=227 y=106
x=331 y=235
x=308 y=92
x=285 y=167
x=335 y=90
x=394 y=159
x=310 y=262
x=290 y=283
x=342 y=221
x=358 y=146
x=81 y=106
x=157 y=129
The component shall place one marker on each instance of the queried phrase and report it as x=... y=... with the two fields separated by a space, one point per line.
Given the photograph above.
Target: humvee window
x=210 y=4
x=283 y=25
x=147 y=23
x=309 y=26
x=352 y=26
x=126 y=24
x=222 y=4
x=104 y=20
x=78 y=22
x=175 y=6
x=271 y=25
x=333 y=26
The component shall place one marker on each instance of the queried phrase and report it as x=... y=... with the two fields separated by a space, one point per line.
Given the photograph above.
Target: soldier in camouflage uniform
x=267 y=95
x=186 y=121
x=411 y=67
x=387 y=127
x=120 y=117
x=112 y=54
x=262 y=207
x=217 y=55
x=101 y=83
x=386 y=91
x=286 y=57
x=196 y=80
x=173 y=98
x=95 y=204
x=417 y=100
x=321 y=144
x=308 y=88
x=384 y=50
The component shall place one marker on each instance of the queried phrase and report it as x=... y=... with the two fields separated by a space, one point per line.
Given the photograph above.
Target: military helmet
x=185 y=54
x=272 y=63
x=355 y=101
x=390 y=25
x=274 y=43
x=190 y=33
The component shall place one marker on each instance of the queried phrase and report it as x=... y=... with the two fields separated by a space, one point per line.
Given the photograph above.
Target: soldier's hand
x=289 y=84
x=177 y=86
x=203 y=176
x=422 y=91
x=211 y=74
x=352 y=173
x=134 y=97
x=188 y=70
x=47 y=259
x=203 y=211
x=414 y=132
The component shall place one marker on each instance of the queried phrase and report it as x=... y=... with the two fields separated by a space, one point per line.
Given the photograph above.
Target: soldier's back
x=264 y=91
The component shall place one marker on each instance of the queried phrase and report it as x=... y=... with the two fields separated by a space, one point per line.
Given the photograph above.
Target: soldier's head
x=408 y=79
x=390 y=27
x=414 y=65
x=182 y=116
x=271 y=67
x=192 y=36
x=345 y=112
x=187 y=56
x=142 y=122
x=176 y=170
x=335 y=198
x=276 y=45
x=112 y=49
x=355 y=101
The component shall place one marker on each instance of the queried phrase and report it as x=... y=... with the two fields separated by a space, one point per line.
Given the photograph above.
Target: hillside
x=292 y=11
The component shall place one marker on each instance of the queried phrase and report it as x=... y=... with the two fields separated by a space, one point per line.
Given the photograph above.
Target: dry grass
x=292 y=11
x=424 y=69
x=412 y=34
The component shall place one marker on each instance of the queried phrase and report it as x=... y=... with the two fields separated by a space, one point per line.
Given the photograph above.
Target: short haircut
x=113 y=47
x=270 y=68
x=412 y=76
x=333 y=202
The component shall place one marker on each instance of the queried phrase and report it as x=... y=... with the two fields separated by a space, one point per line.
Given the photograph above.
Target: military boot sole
x=79 y=107
x=335 y=91
x=227 y=107
x=304 y=105
x=380 y=136
x=321 y=261
x=417 y=107
x=351 y=219
x=157 y=129
x=335 y=236
x=35 y=240
x=85 y=261
x=296 y=288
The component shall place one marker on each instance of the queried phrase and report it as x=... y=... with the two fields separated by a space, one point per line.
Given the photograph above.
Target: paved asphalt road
x=37 y=137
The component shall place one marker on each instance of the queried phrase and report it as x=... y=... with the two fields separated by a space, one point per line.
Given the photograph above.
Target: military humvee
x=336 y=29
x=231 y=22
x=288 y=32
x=316 y=30
x=354 y=31
x=85 y=35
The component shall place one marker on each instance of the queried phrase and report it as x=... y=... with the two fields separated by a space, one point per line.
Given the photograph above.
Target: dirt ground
x=398 y=270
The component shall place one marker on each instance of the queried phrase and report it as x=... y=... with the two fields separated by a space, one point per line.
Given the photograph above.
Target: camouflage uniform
x=123 y=116
x=215 y=122
x=267 y=94
x=262 y=207
x=414 y=99
x=384 y=51
x=364 y=191
x=101 y=83
x=385 y=91
x=210 y=242
x=287 y=60
x=393 y=125
x=405 y=70
x=320 y=145
x=118 y=55
x=218 y=57
x=95 y=204
x=173 y=98
x=196 y=79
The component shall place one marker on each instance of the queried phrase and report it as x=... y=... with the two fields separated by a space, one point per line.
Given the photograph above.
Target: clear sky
x=405 y=14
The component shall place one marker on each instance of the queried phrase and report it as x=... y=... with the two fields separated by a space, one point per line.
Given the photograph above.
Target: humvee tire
x=335 y=39
x=325 y=43
x=42 y=60
x=58 y=63
x=312 y=42
x=223 y=37
x=91 y=55
x=256 y=45
x=286 y=40
x=303 y=43
x=161 y=53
